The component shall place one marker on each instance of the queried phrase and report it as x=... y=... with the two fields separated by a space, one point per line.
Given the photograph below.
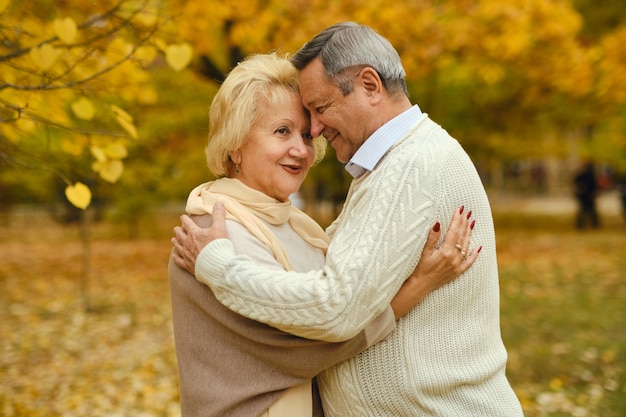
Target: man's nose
x=317 y=127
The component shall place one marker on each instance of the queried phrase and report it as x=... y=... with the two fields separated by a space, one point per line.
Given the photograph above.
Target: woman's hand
x=438 y=266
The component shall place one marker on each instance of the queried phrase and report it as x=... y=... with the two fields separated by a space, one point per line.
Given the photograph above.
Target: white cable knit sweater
x=446 y=357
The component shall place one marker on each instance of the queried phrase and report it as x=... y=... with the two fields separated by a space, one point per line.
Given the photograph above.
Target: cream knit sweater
x=446 y=357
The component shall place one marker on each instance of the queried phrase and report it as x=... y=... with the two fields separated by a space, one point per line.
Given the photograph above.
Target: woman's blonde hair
x=235 y=106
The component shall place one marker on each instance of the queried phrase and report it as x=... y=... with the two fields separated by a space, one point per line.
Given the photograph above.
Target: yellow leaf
x=125 y=120
x=98 y=153
x=45 y=56
x=609 y=355
x=147 y=17
x=4 y=4
x=147 y=96
x=129 y=127
x=145 y=54
x=118 y=49
x=109 y=171
x=556 y=384
x=79 y=195
x=178 y=56
x=65 y=29
x=116 y=151
x=72 y=146
x=25 y=125
x=83 y=109
x=119 y=112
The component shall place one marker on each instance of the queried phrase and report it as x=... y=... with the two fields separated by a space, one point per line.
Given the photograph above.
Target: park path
x=501 y=201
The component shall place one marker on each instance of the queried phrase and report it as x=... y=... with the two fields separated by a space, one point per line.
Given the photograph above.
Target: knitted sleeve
x=259 y=255
x=374 y=247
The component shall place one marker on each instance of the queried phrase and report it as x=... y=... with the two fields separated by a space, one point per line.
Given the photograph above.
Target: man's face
x=343 y=120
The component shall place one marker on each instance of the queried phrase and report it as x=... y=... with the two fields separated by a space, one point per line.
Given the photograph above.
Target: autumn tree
x=511 y=80
x=69 y=72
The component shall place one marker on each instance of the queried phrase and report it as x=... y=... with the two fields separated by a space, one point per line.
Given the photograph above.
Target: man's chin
x=339 y=155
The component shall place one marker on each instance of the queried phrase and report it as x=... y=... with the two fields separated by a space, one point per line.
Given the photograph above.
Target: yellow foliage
x=178 y=56
x=556 y=384
x=79 y=195
x=145 y=54
x=121 y=113
x=109 y=170
x=83 y=109
x=529 y=49
x=65 y=29
x=491 y=73
x=148 y=95
x=612 y=68
x=45 y=56
x=125 y=120
x=116 y=150
x=117 y=50
x=148 y=17
x=73 y=146
x=25 y=125
x=98 y=153
x=48 y=74
x=11 y=133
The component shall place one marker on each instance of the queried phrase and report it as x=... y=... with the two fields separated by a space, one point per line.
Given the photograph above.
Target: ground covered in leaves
x=91 y=335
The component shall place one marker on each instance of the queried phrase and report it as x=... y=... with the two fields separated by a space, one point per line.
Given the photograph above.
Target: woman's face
x=279 y=151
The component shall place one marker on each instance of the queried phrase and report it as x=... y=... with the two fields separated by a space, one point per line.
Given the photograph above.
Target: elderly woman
x=261 y=149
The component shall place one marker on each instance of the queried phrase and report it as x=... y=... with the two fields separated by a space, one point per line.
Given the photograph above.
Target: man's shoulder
x=426 y=141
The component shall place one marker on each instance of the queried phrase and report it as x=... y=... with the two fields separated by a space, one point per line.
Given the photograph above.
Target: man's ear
x=370 y=80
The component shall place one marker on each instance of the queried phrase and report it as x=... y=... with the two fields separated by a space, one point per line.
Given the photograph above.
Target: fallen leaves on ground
x=69 y=350
x=104 y=347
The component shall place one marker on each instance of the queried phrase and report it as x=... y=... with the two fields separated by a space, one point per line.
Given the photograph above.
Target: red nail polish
x=436 y=227
x=472 y=224
x=461 y=209
x=469 y=214
x=479 y=249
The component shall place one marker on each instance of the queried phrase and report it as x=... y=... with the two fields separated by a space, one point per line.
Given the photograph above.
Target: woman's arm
x=437 y=266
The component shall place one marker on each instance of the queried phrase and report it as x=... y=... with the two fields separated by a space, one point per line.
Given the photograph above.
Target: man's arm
x=437 y=266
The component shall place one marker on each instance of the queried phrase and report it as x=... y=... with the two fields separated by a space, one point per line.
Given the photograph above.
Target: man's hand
x=438 y=266
x=189 y=239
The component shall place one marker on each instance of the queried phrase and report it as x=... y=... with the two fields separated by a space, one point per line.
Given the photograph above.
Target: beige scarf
x=247 y=206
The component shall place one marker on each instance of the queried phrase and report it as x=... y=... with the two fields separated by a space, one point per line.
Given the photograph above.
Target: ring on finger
x=463 y=254
x=459 y=247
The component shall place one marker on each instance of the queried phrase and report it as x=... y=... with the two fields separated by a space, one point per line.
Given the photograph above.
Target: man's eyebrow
x=309 y=104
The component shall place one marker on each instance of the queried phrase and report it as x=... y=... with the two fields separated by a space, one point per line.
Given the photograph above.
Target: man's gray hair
x=349 y=45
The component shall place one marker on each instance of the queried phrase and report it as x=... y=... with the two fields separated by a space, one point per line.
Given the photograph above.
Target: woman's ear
x=235 y=156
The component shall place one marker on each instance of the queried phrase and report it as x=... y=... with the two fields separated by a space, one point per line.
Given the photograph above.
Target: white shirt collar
x=376 y=146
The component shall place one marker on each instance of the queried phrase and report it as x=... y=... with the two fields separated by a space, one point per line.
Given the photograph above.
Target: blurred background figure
x=586 y=191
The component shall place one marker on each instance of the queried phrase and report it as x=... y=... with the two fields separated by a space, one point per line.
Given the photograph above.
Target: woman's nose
x=298 y=147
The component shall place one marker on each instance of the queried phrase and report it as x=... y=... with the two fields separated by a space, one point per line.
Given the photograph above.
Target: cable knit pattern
x=446 y=357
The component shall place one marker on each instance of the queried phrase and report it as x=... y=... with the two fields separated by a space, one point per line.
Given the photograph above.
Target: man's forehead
x=313 y=85
x=309 y=98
